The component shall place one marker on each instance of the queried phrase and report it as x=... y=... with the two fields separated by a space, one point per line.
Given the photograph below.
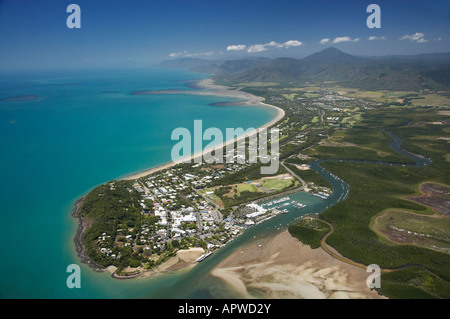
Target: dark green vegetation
x=116 y=224
x=375 y=188
x=414 y=283
x=314 y=113
x=108 y=210
x=310 y=176
x=430 y=71
x=369 y=143
x=309 y=231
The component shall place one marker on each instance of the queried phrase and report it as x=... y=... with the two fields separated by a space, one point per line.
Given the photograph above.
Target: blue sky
x=138 y=33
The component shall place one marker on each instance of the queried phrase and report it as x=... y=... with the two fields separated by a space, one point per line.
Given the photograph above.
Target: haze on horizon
x=34 y=35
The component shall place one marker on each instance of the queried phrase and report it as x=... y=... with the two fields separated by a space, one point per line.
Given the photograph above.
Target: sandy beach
x=282 y=267
x=184 y=260
x=210 y=88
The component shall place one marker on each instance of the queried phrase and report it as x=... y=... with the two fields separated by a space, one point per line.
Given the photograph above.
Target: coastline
x=185 y=259
x=79 y=247
x=210 y=88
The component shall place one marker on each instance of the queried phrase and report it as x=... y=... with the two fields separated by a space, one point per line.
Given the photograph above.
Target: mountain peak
x=331 y=56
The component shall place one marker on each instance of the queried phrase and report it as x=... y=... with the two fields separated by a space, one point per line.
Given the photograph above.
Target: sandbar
x=282 y=267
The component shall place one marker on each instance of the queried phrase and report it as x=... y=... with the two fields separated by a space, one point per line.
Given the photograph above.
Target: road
x=302 y=188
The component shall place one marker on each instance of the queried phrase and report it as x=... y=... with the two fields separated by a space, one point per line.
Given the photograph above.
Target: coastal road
x=302 y=188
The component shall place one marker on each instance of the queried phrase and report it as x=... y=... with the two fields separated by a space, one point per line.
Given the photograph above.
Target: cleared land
x=403 y=227
x=246 y=188
x=276 y=183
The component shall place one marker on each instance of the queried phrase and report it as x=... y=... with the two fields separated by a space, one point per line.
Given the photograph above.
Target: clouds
x=372 y=38
x=292 y=43
x=238 y=47
x=338 y=40
x=417 y=37
x=255 y=48
x=186 y=54
x=345 y=39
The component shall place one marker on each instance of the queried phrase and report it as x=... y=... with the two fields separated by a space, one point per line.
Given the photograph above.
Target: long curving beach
x=188 y=258
x=208 y=87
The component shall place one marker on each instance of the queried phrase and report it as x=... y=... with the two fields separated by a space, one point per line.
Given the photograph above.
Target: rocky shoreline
x=83 y=225
x=79 y=247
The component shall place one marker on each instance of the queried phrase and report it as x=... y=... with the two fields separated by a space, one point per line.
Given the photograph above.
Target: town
x=150 y=218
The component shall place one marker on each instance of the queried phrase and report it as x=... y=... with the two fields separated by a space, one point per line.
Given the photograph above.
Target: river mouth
x=198 y=283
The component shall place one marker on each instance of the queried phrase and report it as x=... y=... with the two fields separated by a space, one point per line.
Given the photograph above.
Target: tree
x=135 y=263
x=175 y=244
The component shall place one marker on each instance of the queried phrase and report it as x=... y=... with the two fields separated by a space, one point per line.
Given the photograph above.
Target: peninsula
x=152 y=219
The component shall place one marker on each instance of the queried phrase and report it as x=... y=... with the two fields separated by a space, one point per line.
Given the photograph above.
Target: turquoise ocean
x=72 y=131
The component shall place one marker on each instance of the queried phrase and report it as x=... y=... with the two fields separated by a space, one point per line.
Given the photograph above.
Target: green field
x=275 y=183
x=290 y=96
x=310 y=95
x=403 y=227
x=432 y=99
x=246 y=188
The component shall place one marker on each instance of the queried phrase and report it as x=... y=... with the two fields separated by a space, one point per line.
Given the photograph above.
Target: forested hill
x=417 y=72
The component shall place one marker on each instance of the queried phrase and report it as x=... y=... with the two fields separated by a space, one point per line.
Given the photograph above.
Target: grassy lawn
x=290 y=96
x=275 y=183
x=310 y=95
x=304 y=127
x=246 y=187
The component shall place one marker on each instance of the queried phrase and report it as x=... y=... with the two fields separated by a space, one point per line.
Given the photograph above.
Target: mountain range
x=415 y=72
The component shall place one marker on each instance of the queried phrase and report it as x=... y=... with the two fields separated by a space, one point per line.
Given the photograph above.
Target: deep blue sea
x=72 y=131
x=79 y=130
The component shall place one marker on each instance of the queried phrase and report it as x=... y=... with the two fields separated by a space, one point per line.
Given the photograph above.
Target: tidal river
x=63 y=134
x=197 y=283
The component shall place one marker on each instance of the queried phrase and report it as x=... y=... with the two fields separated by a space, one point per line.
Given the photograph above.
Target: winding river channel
x=197 y=283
